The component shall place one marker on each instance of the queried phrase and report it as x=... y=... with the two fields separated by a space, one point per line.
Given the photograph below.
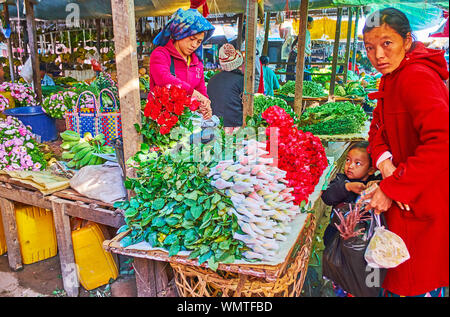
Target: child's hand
x=355 y=187
x=369 y=184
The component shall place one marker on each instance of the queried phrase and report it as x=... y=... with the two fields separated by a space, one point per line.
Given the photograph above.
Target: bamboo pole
x=32 y=40
x=250 y=50
x=127 y=75
x=355 y=39
x=335 y=53
x=347 y=45
x=298 y=101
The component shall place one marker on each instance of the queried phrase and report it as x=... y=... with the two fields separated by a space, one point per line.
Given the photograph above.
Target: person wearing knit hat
x=229 y=58
x=226 y=88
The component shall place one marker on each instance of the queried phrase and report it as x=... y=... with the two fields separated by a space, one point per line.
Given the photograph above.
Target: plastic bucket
x=41 y=124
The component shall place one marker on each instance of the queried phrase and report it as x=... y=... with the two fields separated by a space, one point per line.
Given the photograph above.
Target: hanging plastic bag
x=386 y=249
x=344 y=263
x=27 y=71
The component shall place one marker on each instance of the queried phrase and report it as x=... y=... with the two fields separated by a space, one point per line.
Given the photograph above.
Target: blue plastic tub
x=41 y=124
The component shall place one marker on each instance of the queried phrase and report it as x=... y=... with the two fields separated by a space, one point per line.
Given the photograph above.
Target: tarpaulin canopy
x=325 y=29
x=56 y=9
x=443 y=30
x=420 y=15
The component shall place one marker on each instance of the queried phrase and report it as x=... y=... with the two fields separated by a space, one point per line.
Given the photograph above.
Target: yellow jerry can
x=3 y=248
x=95 y=266
x=36 y=233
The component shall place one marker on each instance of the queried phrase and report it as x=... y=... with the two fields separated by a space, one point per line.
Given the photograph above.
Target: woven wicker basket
x=194 y=281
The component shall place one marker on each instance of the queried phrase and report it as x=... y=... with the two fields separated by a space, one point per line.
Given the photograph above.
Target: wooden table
x=152 y=279
x=64 y=204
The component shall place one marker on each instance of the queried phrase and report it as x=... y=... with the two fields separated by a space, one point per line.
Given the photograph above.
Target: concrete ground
x=43 y=279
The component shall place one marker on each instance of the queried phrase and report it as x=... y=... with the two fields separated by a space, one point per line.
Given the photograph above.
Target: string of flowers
x=23 y=94
x=18 y=148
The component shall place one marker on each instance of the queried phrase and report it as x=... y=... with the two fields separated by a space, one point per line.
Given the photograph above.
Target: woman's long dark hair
x=395 y=18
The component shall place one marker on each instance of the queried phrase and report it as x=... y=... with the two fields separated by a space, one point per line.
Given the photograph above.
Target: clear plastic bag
x=27 y=71
x=385 y=249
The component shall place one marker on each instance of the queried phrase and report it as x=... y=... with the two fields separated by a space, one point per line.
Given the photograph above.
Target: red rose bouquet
x=166 y=108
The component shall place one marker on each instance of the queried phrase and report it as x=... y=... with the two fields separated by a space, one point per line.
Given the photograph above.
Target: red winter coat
x=411 y=121
x=189 y=77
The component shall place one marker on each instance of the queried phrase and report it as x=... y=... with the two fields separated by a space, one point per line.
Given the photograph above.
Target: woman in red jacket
x=409 y=142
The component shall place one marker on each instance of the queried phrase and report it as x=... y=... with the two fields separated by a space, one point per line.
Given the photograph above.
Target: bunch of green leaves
x=321 y=75
x=310 y=89
x=176 y=208
x=313 y=89
x=333 y=118
x=262 y=103
x=354 y=88
x=288 y=88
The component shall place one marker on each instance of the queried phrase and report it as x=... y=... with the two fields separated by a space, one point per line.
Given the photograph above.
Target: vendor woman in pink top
x=177 y=59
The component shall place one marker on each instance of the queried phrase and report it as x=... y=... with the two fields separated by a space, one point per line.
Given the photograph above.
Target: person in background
x=347 y=187
x=226 y=88
x=308 y=47
x=177 y=58
x=286 y=48
x=409 y=144
x=293 y=55
x=269 y=78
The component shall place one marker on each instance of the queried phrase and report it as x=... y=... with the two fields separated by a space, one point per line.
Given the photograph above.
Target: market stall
x=263 y=272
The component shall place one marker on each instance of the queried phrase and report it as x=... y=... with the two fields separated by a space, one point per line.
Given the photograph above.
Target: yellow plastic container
x=95 y=266
x=3 y=248
x=36 y=233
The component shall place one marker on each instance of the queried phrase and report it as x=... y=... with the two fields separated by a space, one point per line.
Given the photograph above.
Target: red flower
x=194 y=105
x=164 y=130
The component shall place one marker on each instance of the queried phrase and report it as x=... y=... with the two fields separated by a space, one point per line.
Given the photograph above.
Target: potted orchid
x=23 y=94
x=18 y=148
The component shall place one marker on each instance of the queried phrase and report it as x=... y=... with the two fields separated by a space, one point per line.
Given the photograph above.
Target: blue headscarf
x=183 y=24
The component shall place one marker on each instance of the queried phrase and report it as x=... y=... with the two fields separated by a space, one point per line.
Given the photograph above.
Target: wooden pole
x=8 y=42
x=355 y=39
x=347 y=45
x=32 y=40
x=298 y=101
x=98 y=24
x=265 y=51
x=240 y=30
x=127 y=75
x=335 y=53
x=250 y=50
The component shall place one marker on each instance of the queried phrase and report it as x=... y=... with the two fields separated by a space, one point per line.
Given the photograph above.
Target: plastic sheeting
x=420 y=15
x=59 y=9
